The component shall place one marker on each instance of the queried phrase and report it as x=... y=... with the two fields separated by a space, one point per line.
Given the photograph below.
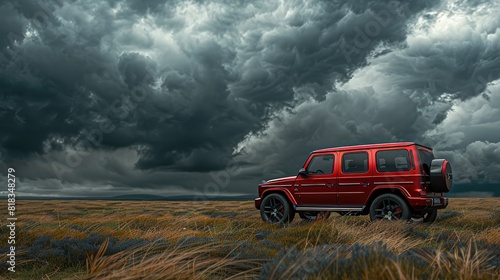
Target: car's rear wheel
x=276 y=209
x=428 y=217
x=389 y=207
x=314 y=215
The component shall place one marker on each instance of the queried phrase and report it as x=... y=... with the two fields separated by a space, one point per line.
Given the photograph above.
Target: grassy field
x=219 y=240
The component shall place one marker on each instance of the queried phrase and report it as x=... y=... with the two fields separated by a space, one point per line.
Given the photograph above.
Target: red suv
x=393 y=181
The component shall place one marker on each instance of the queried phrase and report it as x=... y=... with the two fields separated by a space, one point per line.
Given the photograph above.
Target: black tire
x=276 y=209
x=430 y=217
x=314 y=215
x=389 y=207
x=427 y=217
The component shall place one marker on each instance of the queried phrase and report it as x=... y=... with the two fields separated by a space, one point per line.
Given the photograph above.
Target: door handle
x=329 y=184
x=364 y=184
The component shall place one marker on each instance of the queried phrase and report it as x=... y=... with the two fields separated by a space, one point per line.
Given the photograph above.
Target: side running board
x=328 y=208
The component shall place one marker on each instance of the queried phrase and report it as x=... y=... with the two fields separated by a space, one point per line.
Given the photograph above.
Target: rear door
x=318 y=187
x=355 y=178
x=394 y=168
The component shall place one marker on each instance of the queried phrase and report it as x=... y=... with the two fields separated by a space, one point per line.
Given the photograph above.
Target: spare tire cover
x=441 y=175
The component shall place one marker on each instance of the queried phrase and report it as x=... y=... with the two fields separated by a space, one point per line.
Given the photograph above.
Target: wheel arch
x=376 y=192
x=286 y=193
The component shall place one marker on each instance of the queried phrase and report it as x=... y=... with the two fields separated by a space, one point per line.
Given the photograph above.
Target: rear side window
x=425 y=160
x=321 y=164
x=393 y=160
x=355 y=162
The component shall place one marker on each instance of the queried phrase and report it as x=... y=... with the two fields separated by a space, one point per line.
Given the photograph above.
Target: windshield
x=426 y=158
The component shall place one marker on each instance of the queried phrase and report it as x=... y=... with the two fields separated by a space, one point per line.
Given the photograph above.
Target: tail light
x=423 y=184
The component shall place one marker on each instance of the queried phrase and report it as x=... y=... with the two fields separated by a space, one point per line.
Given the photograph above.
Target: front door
x=317 y=187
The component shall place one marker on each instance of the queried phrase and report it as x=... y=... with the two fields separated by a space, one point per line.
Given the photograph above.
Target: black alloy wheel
x=389 y=207
x=276 y=209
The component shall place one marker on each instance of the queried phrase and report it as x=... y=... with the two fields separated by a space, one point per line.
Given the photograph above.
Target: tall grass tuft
x=463 y=262
x=94 y=262
x=164 y=261
x=375 y=261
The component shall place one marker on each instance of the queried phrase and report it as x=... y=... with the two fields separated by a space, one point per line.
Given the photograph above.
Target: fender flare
x=405 y=193
x=287 y=193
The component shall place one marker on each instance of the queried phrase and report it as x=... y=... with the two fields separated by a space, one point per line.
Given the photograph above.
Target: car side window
x=393 y=160
x=425 y=160
x=321 y=164
x=355 y=162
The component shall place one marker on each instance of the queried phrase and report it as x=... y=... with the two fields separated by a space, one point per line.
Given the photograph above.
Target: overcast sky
x=211 y=97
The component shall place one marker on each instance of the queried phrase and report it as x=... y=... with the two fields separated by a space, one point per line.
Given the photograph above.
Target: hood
x=281 y=180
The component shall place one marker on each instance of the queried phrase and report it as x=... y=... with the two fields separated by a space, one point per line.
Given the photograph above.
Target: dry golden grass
x=472 y=221
x=164 y=262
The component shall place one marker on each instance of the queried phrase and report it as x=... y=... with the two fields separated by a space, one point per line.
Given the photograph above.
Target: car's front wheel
x=389 y=207
x=276 y=209
x=314 y=215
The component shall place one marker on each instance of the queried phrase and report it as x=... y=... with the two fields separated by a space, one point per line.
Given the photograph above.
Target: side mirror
x=303 y=172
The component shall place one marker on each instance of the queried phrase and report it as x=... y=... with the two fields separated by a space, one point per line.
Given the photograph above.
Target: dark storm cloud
x=136 y=69
x=470 y=138
x=317 y=44
x=45 y=85
x=11 y=25
x=66 y=67
x=143 y=7
x=149 y=94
